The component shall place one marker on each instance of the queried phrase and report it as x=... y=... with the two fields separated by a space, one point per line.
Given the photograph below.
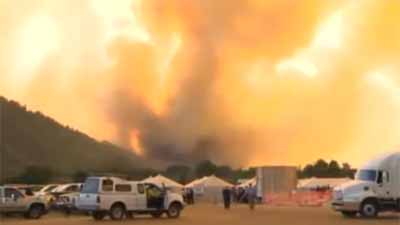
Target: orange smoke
x=240 y=82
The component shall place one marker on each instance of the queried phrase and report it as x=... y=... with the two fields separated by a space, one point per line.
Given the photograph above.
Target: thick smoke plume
x=236 y=81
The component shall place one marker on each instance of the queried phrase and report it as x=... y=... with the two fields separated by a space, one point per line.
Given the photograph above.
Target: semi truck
x=375 y=189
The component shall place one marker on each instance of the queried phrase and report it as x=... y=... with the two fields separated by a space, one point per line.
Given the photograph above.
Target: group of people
x=249 y=195
x=188 y=196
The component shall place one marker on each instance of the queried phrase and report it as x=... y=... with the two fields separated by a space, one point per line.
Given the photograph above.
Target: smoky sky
x=238 y=82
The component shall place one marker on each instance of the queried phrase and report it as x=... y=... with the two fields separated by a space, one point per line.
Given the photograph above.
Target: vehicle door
x=124 y=191
x=155 y=197
x=140 y=197
x=384 y=184
x=14 y=200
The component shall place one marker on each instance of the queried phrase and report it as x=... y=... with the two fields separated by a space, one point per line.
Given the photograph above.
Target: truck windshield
x=91 y=186
x=366 y=175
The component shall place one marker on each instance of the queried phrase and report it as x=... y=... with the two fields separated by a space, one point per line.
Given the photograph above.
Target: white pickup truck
x=12 y=200
x=118 y=198
x=376 y=188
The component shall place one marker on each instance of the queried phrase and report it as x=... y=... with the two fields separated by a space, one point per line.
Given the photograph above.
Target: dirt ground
x=214 y=214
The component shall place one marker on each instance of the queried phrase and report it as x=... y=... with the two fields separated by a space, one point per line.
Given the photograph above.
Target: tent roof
x=160 y=179
x=212 y=181
x=321 y=182
x=251 y=181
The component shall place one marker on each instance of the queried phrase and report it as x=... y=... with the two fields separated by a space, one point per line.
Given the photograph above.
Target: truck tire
x=35 y=212
x=369 y=209
x=174 y=210
x=98 y=215
x=117 y=212
x=349 y=214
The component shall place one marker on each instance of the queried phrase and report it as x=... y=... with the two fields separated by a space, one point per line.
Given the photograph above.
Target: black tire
x=156 y=214
x=98 y=215
x=174 y=211
x=369 y=209
x=117 y=212
x=349 y=214
x=35 y=212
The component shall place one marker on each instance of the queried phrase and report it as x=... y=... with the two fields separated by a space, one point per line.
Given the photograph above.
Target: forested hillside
x=33 y=139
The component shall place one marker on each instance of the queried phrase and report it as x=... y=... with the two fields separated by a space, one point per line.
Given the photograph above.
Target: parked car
x=13 y=200
x=62 y=195
x=118 y=198
x=376 y=189
x=67 y=202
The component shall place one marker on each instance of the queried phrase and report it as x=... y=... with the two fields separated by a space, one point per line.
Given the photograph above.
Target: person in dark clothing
x=191 y=196
x=226 y=194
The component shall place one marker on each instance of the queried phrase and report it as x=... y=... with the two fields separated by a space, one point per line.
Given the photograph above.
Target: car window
x=107 y=185
x=386 y=176
x=380 y=177
x=90 y=186
x=72 y=188
x=123 y=187
x=10 y=192
x=140 y=188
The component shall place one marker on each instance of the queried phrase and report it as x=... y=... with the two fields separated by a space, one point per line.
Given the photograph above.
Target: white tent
x=160 y=180
x=313 y=183
x=209 y=188
x=248 y=182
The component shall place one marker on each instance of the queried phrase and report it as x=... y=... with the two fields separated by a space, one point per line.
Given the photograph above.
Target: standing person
x=251 y=196
x=191 y=196
x=226 y=194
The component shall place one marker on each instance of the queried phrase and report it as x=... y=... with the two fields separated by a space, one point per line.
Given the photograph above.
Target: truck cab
x=118 y=198
x=376 y=189
x=12 y=200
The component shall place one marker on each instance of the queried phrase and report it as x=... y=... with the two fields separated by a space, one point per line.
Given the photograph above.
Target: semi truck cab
x=376 y=189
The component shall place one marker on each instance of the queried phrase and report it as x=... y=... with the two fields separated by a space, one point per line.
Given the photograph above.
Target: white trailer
x=376 y=188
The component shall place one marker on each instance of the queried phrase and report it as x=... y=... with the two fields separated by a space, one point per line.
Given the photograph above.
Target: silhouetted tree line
x=180 y=173
x=323 y=169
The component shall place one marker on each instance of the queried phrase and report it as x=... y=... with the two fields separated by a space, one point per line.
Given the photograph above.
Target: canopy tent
x=160 y=180
x=247 y=183
x=209 y=188
x=313 y=183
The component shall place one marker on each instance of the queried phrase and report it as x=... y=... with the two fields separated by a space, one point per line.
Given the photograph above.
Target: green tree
x=321 y=168
x=180 y=173
x=334 y=169
x=36 y=175
x=205 y=168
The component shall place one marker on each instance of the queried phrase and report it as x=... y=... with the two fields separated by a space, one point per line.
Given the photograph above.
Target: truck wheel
x=156 y=214
x=349 y=214
x=369 y=209
x=117 y=212
x=174 y=210
x=35 y=212
x=98 y=215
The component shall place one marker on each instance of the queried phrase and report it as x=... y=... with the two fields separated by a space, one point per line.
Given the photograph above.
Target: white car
x=12 y=200
x=118 y=198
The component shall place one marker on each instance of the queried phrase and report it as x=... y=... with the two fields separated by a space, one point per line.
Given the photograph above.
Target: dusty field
x=238 y=215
